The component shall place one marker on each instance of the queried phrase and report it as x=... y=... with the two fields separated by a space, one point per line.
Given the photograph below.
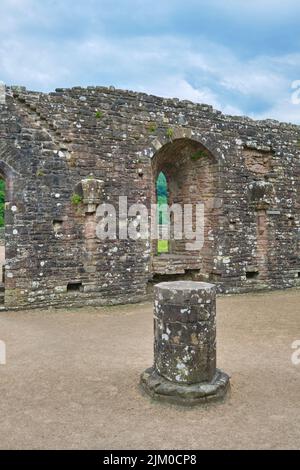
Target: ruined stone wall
x=49 y=143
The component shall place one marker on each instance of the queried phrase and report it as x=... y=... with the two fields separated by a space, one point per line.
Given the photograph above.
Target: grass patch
x=197 y=155
x=40 y=172
x=76 y=199
x=152 y=127
x=163 y=246
x=170 y=133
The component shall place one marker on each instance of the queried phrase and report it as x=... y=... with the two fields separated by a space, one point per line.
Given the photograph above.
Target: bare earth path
x=71 y=379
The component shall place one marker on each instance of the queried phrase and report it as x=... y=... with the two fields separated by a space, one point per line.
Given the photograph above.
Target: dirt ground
x=2 y=258
x=71 y=380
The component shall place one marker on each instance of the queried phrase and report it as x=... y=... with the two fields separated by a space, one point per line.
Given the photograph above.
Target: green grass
x=197 y=155
x=163 y=246
x=76 y=199
x=170 y=133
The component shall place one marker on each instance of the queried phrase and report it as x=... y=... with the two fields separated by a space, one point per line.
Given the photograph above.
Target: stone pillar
x=184 y=368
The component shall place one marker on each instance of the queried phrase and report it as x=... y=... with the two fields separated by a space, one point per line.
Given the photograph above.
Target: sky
x=242 y=57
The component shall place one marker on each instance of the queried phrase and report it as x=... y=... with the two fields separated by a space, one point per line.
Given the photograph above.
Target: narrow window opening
x=57 y=225
x=163 y=222
x=74 y=287
x=252 y=274
x=232 y=225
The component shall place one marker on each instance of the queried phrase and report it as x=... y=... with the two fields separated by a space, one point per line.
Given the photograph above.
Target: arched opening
x=162 y=203
x=190 y=172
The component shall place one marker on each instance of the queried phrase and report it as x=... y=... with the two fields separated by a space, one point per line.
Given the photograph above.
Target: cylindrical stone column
x=184 y=368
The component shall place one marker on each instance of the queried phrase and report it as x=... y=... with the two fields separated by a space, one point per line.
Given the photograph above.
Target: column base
x=162 y=389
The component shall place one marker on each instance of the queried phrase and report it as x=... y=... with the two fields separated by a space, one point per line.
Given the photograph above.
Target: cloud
x=284 y=110
x=163 y=48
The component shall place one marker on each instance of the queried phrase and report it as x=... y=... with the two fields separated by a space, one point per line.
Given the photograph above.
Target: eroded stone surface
x=185 y=344
x=163 y=390
x=246 y=172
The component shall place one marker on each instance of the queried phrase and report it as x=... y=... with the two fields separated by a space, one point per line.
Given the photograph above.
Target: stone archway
x=191 y=171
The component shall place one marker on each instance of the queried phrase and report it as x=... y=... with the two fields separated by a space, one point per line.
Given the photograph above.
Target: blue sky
x=240 y=56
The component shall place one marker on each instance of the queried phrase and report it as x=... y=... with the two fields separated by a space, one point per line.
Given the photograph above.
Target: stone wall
x=49 y=143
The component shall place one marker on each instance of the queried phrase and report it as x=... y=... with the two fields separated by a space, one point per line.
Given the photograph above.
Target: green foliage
x=76 y=199
x=170 y=133
x=197 y=155
x=162 y=187
x=99 y=114
x=163 y=246
x=162 y=198
x=2 y=202
x=152 y=127
x=40 y=172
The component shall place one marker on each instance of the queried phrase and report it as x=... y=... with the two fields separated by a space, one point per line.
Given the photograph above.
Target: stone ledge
x=162 y=389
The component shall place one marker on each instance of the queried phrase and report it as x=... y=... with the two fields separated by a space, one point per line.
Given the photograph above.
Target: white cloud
x=172 y=66
x=37 y=68
x=284 y=110
x=177 y=87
